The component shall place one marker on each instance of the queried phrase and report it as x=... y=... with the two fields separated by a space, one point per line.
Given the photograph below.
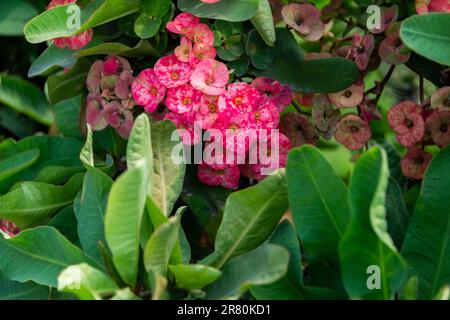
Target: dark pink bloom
x=265 y=115
x=228 y=177
x=305 y=19
x=111 y=66
x=438 y=126
x=353 y=132
x=147 y=90
x=183 y=23
x=119 y=118
x=94 y=112
x=185 y=124
x=425 y=6
x=361 y=50
x=208 y=112
x=415 y=163
x=210 y=77
x=407 y=122
x=241 y=97
x=280 y=95
x=183 y=99
x=298 y=129
x=171 y=72
x=391 y=49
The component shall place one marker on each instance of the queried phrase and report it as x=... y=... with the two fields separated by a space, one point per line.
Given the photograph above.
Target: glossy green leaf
x=18 y=162
x=13 y=290
x=53 y=23
x=25 y=97
x=427 y=243
x=14 y=15
x=250 y=217
x=86 y=282
x=87 y=153
x=31 y=202
x=194 y=276
x=38 y=255
x=263 y=265
x=263 y=22
x=229 y=10
x=367 y=252
x=123 y=220
x=319 y=202
x=168 y=176
x=428 y=36
x=146 y=27
x=52 y=57
x=160 y=246
x=261 y=55
x=156 y=8
x=17 y=124
x=397 y=214
x=139 y=145
x=142 y=48
x=67 y=117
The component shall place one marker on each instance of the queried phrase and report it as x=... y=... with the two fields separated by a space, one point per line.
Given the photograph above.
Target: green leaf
x=194 y=276
x=139 y=146
x=142 y=48
x=160 y=246
x=428 y=36
x=31 y=202
x=25 y=97
x=18 y=162
x=319 y=202
x=250 y=217
x=264 y=265
x=263 y=22
x=53 y=23
x=290 y=286
x=66 y=223
x=87 y=153
x=67 y=115
x=156 y=8
x=14 y=15
x=261 y=55
x=318 y=75
x=146 y=27
x=69 y=84
x=18 y=124
x=123 y=220
x=86 y=282
x=13 y=290
x=50 y=58
x=427 y=246
x=397 y=214
x=90 y=211
x=366 y=250
x=168 y=176
x=38 y=255
x=229 y=10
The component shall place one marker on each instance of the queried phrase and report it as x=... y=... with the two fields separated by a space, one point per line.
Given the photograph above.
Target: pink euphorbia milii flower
x=119 y=118
x=350 y=97
x=438 y=126
x=202 y=34
x=240 y=97
x=94 y=112
x=361 y=50
x=208 y=112
x=388 y=17
x=172 y=72
x=227 y=178
x=273 y=90
x=210 y=77
x=425 y=6
x=305 y=19
x=147 y=90
x=407 y=122
x=415 y=163
x=391 y=49
x=183 y=99
x=353 y=132
x=184 y=51
x=183 y=23
x=185 y=123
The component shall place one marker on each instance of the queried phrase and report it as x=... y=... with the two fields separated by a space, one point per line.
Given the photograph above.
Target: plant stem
x=421 y=89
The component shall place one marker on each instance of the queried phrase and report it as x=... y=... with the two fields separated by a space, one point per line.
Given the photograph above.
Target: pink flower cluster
x=74 y=42
x=9 y=228
x=109 y=101
x=194 y=87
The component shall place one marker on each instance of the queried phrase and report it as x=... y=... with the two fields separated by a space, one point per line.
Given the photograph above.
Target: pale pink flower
x=208 y=112
x=350 y=97
x=184 y=51
x=407 y=122
x=228 y=177
x=392 y=49
x=280 y=95
x=147 y=90
x=265 y=115
x=241 y=97
x=202 y=52
x=305 y=19
x=183 y=23
x=94 y=112
x=210 y=77
x=202 y=34
x=361 y=50
x=171 y=72
x=119 y=118
x=183 y=99
x=415 y=163
x=353 y=132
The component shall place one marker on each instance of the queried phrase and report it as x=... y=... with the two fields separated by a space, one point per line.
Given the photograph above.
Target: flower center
x=174 y=76
x=419 y=160
x=398 y=43
x=153 y=91
x=444 y=127
x=354 y=129
x=212 y=107
x=409 y=123
x=187 y=101
x=257 y=116
x=238 y=101
x=348 y=94
x=233 y=128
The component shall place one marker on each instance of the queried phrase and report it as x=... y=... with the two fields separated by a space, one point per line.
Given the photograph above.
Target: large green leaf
x=123 y=220
x=168 y=175
x=319 y=202
x=67 y=116
x=52 y=57
x=25 y=97
x=160 y=246
x=397 y=214
x=13 y=290
x=427 y=244
x=428 y=36
x=90 y=211
x=290 y=286
x=18 y=124
x=38 y=255
x=31 y=202
x=263 y=22
x=66 y=223
x=142 y=48
x=53 y=23
x=14 y=15
x=264 y=265
x=250 y=217
x=86 y=282
x=139 y=146
x=194 y=276
x=18 y=162
x=367 y=245
x=229 y=10
x=318 y=75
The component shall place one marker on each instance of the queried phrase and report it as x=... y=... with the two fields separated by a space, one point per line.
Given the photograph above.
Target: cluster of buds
x=109 y=101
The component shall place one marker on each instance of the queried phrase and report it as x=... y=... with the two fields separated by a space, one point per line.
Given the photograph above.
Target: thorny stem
x=379 y=87
x=297 y=107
